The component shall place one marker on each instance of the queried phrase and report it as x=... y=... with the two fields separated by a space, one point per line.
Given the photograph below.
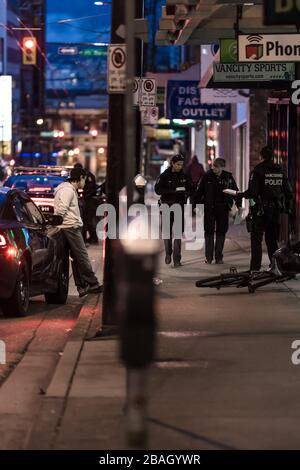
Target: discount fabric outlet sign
x=184 y=102
x=269 y=48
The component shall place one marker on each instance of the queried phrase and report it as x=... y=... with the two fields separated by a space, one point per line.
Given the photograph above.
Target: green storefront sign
x=228 y=51
x=253 y=72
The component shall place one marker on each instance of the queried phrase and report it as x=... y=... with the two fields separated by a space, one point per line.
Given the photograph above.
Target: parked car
x=34 y=257
x=40 y=187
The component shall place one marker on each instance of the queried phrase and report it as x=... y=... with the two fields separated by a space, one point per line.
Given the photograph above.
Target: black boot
x=168 y=250
x=177 y=252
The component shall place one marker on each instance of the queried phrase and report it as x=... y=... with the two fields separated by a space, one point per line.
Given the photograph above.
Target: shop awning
x=206 y=21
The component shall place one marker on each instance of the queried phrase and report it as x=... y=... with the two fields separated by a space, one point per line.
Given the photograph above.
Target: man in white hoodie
x=66 y=205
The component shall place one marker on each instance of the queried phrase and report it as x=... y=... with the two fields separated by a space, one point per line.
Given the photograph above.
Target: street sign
x=117 y=68
x=68 y=50
x=281 y=12
x=254 y=72
x=149 y=114
x=136 y=91
x=100 y=51
x=269 y=47
x=148 y=92
x=184 y=102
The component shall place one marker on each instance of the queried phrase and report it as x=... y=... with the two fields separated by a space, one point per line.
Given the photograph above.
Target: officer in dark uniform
x=173 y=187
x=271 y=193
x=216 y=208
x=89 y=206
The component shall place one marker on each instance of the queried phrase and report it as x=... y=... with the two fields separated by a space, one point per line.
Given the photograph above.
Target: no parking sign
x=117 y=68
x=148 y=92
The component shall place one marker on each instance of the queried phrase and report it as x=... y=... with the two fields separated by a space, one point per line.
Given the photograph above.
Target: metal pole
x=115 y=179
x=139 y=59
x=130 y=131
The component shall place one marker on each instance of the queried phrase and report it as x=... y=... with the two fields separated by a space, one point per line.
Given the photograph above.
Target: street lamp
x=102 y=3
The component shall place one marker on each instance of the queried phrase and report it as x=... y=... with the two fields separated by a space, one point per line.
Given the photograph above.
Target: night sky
x=82 y=30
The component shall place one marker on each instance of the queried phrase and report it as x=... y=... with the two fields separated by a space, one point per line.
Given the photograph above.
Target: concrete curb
x=65 y=368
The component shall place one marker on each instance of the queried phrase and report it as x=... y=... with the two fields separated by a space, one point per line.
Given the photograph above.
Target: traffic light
x=29 y=50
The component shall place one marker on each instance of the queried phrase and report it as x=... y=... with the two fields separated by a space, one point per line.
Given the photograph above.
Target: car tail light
x=11 y=252
x=3 y=241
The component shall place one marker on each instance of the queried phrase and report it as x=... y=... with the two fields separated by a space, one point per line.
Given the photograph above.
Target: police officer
x=271 y=192
x=173 y=187
x=89 y=206
x=216 y=208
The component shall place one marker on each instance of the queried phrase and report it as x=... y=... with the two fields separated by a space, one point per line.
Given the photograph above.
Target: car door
x=37 y=241
x=48 y=244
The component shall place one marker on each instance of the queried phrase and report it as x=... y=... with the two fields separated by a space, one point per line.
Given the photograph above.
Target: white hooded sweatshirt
x=66 y=205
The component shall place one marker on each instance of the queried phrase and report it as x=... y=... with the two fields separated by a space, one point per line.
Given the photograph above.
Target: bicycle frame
x=243 y=279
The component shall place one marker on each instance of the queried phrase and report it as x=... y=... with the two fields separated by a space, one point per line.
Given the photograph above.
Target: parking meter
x=137 y=319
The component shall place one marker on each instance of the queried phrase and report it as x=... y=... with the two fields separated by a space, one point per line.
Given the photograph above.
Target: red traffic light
x=29 y=50
x=29 y=43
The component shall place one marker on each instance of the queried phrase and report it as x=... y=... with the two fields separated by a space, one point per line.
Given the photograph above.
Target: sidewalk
x=223 y=377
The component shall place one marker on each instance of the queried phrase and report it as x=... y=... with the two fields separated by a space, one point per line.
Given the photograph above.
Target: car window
x=20 y=211
x=8 y=213
x=35 y=213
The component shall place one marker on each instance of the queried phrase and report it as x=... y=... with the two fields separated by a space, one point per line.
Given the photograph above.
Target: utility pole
x=115 y=179
x=119 y=172
x=139 y=70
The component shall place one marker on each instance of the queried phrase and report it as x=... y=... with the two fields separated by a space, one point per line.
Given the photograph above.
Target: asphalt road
x=34 y=345
x=45 y=328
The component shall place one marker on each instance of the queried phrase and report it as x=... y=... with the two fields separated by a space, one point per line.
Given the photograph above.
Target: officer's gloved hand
x=230 y=192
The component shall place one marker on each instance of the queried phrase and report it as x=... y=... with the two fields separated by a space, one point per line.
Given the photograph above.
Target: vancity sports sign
x=269 y=47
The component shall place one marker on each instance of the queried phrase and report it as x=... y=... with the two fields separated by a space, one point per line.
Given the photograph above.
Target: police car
x=39 y=183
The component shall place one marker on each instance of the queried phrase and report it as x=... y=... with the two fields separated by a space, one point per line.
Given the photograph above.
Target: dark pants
x=82 y=269
x=89 y=219
x=174 y=248
x=216 y=220
x=268 y=224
